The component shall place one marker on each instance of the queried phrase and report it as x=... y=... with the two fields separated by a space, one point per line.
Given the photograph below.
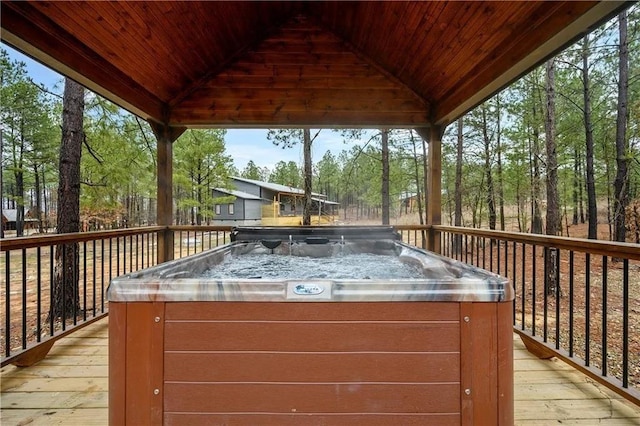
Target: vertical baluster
x=484 y=254
x=7 y=314
x=51 y=278
x=533 y=290
x=94 y=269
x=558 y=294
x=545 y=295
x=84 y=282
x=498 y=255
x=515 y=276
x=110 y=259
x=506 y=259
x=64 y=296
x=76 y=281
x=39 y=293
x=523 y=280
x=24 y=298
x=124 y=254
x=587 y=308
x=117 y=257
x=474 y=249
x=604 y=315
x=102 y=275
x=625 y=323
x=571 y=280
x=491 y=243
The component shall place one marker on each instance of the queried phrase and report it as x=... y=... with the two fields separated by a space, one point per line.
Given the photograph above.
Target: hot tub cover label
x=310 y=289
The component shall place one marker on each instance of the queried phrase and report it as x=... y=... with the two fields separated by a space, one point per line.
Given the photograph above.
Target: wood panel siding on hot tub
x=187 y=347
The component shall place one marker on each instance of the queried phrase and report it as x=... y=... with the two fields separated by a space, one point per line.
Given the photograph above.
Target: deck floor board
x=70 y=387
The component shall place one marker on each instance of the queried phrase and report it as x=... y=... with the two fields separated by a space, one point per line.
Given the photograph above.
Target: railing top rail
x=218 y=228
x=18 y=243
x=605 y=248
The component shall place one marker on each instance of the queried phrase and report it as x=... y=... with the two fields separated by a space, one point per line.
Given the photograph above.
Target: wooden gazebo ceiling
x=283 y=64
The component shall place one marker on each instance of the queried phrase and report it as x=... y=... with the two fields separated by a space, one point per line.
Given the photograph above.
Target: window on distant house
x=218 y=209
x=231 y=206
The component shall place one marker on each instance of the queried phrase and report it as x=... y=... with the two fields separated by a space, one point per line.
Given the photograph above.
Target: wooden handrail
x=205 y=228
x=604 y=248
x=17 y=243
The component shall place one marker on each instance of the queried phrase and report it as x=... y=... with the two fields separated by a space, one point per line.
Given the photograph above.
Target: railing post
x=165 y=135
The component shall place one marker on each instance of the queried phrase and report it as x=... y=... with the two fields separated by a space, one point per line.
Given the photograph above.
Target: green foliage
x=286 y=173
x=251 y=171
x=29 y=132
x=200 y=165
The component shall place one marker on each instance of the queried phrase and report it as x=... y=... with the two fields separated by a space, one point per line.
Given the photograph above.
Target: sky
x=241 y=144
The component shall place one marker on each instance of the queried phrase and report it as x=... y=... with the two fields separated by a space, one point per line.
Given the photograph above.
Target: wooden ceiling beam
x=315 y=119
x=20 y=22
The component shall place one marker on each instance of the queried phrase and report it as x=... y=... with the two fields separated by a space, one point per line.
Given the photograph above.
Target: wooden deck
x=70 y=387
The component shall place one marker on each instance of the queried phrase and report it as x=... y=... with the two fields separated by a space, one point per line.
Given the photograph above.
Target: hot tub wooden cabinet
x=198 y=351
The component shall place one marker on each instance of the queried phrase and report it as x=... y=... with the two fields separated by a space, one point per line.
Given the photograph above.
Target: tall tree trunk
x=44 y=200
x=38 y=206
x=592 y=211
x=66 y=298
x=553 y=200
x=536 y=214
x=580 y=191
x=576 y=185
x=499 y=165
x=491 y=202
x=385 y=177
x=19 y=177
x=621 y=183
x=417 y=178
x=457 y=217
x=308 y=174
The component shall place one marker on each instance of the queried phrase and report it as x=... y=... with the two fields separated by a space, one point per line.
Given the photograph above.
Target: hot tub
x=218 y=338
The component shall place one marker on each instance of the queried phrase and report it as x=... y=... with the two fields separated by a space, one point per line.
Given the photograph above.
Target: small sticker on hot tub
x=307 y=289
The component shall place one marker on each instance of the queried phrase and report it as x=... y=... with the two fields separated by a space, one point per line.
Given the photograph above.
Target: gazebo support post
x=434 y=190
x=165 y=136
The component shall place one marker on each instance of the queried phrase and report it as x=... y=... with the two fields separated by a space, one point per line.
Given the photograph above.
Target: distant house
x=10 y=217
x=244 y=210
x=278 y=204
x=408 y=202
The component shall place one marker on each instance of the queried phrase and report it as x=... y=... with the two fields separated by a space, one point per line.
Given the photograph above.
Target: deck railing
x=576 y=299
x=28 y=269
x=590 y=317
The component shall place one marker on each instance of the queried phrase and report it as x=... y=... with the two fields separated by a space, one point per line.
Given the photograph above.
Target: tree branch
x=93 y=154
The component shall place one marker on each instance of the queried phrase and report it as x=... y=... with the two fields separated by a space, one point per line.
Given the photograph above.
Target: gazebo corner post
x=165 y=136
x=434 y=189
